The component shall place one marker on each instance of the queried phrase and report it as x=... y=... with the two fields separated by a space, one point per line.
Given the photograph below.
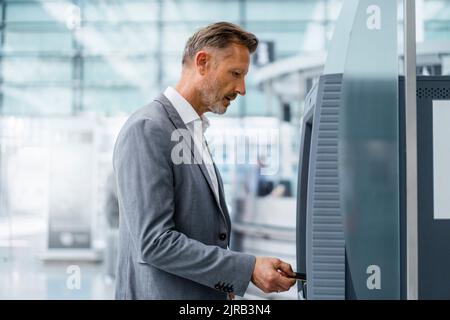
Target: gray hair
x=219 y=35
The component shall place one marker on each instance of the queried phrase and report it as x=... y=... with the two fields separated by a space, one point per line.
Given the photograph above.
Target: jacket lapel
x=223 y=203
x=179 y=124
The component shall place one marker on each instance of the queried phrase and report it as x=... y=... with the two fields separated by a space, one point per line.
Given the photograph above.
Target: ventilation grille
x=433 y=93
x=328 y=243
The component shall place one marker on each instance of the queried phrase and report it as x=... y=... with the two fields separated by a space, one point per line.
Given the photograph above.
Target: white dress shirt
x=197 y=126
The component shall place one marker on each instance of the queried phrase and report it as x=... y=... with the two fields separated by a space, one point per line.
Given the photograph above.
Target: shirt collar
x=205 y=123
x=184 y=108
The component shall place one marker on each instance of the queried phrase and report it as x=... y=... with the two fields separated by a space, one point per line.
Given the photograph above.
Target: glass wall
x=62 y=57
x=111 y=56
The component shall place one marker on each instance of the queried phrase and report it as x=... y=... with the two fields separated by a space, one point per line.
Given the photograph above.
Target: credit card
x=299 y=276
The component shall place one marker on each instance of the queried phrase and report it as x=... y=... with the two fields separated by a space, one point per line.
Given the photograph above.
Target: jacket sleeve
x=144 y=173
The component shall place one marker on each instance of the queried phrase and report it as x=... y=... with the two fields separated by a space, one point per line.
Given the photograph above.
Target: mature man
x=175 y=227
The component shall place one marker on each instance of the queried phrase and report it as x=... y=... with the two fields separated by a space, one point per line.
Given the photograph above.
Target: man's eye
x=236 y=74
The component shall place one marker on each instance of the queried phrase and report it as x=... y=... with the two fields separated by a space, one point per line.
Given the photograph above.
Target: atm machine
x=351 y=220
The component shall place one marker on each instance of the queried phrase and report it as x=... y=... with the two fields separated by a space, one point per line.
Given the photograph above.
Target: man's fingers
x=286 y=268
x=272 y=275
x=285 y=283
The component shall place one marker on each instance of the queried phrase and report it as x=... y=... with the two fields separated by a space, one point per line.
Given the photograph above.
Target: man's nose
x=241 y=88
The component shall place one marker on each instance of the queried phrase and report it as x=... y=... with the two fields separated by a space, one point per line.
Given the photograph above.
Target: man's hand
x=272 y=275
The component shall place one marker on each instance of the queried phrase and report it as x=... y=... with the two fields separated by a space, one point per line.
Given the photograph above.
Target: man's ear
x=202 y=60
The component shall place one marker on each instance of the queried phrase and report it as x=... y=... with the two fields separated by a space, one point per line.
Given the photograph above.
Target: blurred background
x=71 y=73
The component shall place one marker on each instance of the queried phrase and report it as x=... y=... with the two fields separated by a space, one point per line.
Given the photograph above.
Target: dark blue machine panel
x=323 y=226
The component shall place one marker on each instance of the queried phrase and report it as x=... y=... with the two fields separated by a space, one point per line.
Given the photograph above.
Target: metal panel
x=325 y=244
x=411 y=150
x=368 y=154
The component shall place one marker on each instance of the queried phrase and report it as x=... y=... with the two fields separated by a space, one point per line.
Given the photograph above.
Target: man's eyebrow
x=243 y=70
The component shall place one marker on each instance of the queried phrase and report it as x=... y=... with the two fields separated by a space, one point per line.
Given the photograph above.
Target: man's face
x=225 y=78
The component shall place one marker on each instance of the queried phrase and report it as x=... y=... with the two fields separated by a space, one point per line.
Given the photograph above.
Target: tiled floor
x=23 y=275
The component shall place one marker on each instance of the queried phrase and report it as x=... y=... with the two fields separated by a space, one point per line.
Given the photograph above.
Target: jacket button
x=223 y=236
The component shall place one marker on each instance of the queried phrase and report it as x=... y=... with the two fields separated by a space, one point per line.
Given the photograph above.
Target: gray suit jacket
x=173 y=231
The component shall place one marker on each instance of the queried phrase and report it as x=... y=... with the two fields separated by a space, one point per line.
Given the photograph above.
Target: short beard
x=207 y=95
